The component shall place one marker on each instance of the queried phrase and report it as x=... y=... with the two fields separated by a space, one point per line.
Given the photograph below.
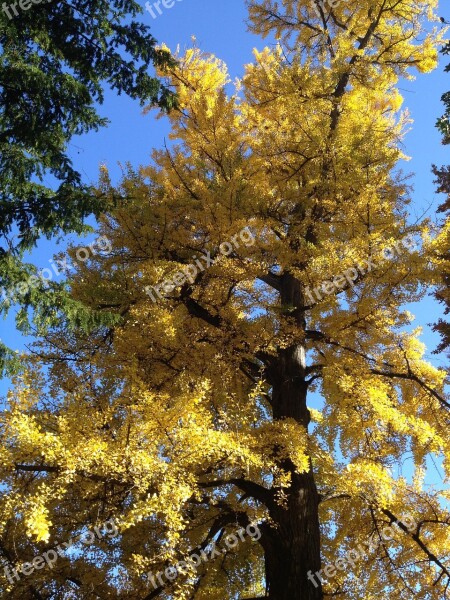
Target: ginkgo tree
x=251 y=392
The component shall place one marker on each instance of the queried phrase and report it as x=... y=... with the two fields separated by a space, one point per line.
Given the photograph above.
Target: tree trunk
x=292 y=550
x=292 y=547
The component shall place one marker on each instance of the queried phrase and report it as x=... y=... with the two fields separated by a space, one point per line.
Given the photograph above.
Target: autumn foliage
x=234 y=399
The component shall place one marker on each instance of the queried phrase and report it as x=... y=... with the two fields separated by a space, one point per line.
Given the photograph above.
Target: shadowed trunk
x=292 y=548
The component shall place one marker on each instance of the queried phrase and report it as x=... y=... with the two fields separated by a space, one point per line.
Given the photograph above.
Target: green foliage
x=56 y=58
x=443 y=123
x=443 y=181
x=442 y=293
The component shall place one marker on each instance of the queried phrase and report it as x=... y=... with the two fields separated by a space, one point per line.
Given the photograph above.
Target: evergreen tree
x=56 y=58
x=442 y=257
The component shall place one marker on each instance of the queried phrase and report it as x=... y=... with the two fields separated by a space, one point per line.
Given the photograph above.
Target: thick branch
x=271 y=279
x=256 y=491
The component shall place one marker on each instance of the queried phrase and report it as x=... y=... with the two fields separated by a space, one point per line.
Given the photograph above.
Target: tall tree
x=265 y=258
x=442 y=245
x=55 y=60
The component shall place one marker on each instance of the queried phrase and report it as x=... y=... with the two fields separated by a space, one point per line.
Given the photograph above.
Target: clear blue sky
x=220 y=28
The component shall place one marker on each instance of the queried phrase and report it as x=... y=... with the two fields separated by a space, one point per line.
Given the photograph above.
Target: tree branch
x=415 y=536
x=256 y=491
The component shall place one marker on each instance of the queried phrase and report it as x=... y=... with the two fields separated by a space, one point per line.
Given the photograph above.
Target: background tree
x=442 y=256
x=199 y=412
x=443 y=122
x=442 y=251
x=55 y=59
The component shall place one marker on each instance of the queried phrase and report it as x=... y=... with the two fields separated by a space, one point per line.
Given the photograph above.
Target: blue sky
x=220 y=28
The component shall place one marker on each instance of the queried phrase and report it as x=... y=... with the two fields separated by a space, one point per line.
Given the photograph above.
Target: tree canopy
x=262 y=369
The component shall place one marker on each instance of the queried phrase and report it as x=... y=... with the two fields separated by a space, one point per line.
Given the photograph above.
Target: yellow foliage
x=191 y=417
